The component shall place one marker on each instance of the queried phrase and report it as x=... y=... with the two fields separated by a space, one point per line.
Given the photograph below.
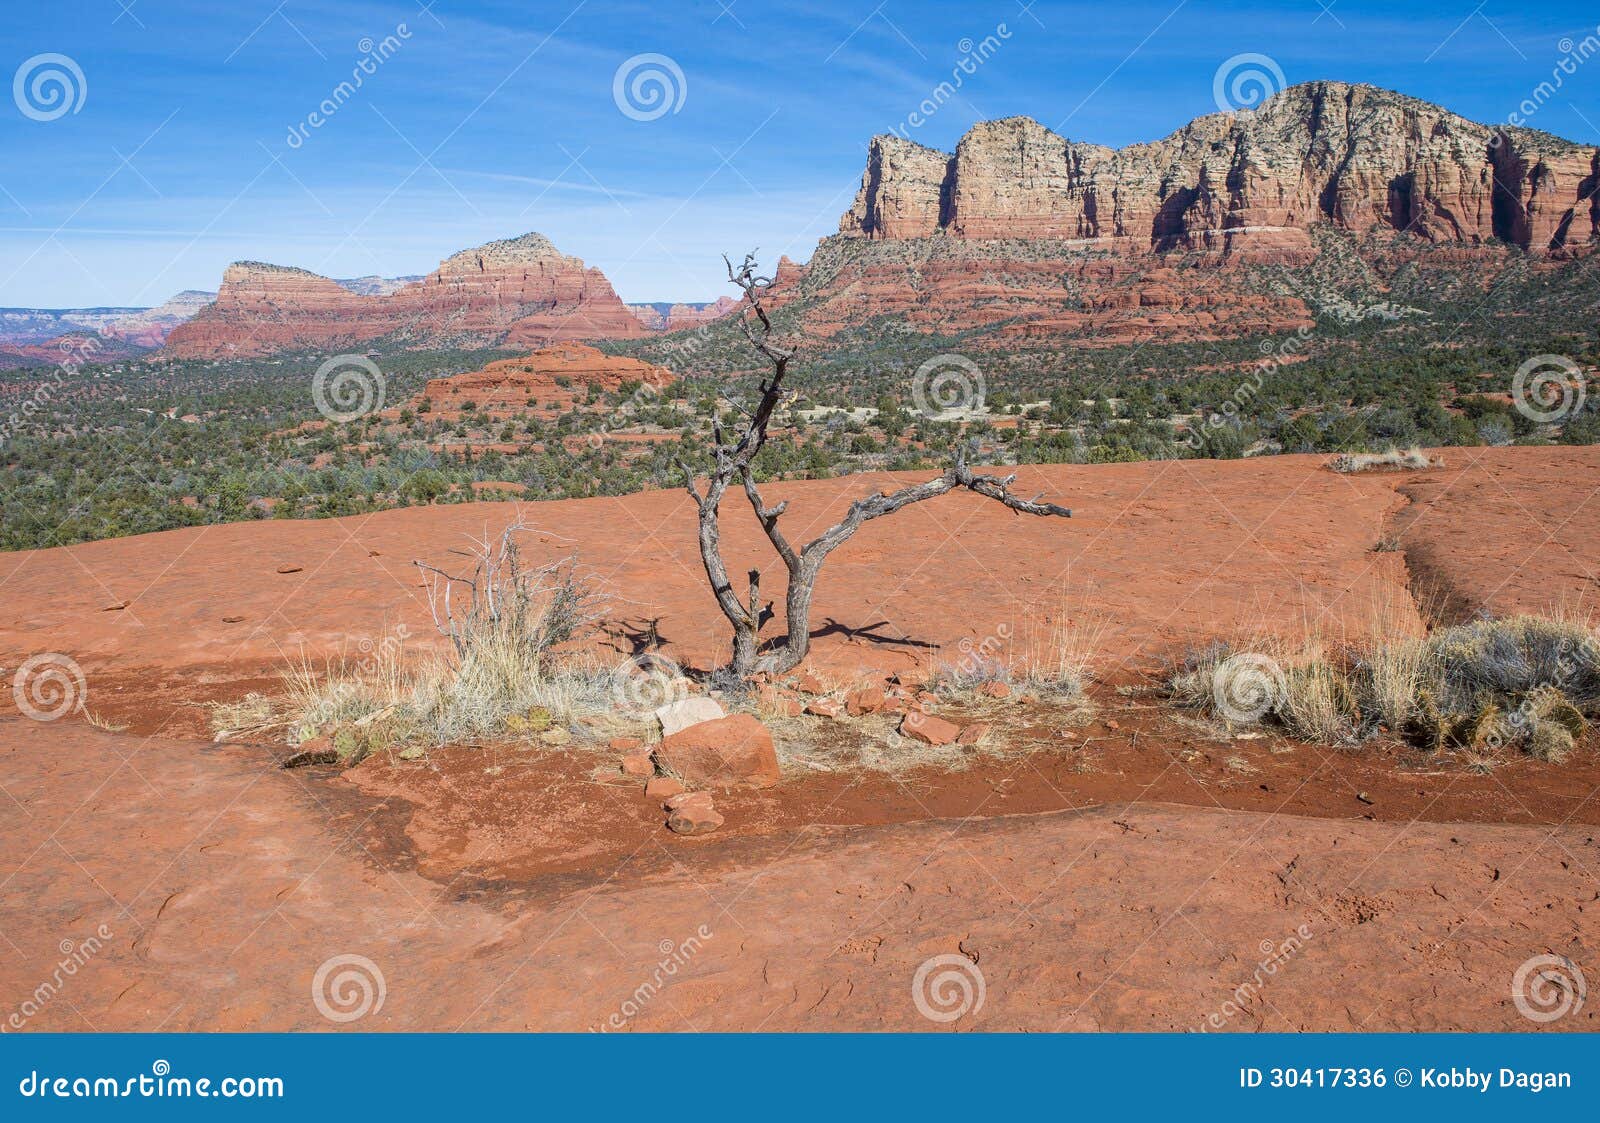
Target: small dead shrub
x=502 y=674
x=1410 y=460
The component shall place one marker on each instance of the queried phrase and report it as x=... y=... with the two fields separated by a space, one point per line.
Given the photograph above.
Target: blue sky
x=490 y=119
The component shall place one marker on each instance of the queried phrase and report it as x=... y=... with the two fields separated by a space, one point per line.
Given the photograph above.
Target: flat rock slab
x=226 y=884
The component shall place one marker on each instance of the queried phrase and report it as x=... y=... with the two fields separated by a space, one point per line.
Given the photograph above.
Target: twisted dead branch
x=733 y=456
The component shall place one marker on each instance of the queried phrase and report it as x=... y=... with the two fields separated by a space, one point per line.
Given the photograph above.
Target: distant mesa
x=519 y=292
x=666 y=316
x=44 y=336
x=545 y=382
x=1354 y=156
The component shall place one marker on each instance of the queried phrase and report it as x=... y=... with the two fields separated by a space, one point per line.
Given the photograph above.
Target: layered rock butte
x=520 y=292
x=1029 y=237
x=554 y=377
x=676 y=317
x=1027 y=232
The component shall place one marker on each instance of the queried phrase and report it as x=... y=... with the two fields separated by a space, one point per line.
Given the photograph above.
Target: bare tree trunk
x=735 y=458
x=743 y=621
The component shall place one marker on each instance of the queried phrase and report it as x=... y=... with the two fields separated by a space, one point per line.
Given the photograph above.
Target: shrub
x=1529 y=681
x=1412 y=459
x=1317 y=703
x=501 y=674
x=1513 y=657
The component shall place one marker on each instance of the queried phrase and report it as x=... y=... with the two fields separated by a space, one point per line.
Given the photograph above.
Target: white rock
x=680 y=715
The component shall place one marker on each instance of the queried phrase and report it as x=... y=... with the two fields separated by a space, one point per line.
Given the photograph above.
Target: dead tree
x=733 y=459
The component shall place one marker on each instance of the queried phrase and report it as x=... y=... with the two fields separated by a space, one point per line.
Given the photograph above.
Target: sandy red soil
x=1120 y=878
x=225 y=885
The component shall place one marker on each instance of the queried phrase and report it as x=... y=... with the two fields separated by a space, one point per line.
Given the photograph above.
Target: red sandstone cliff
x=1356 y=157
x=1034 y=236
x=521 y=292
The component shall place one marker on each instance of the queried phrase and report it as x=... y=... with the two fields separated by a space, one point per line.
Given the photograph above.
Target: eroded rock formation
x=521 y=292
x=1031 y=235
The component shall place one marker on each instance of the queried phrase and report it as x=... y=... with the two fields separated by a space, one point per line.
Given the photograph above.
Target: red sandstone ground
x=1098 y=877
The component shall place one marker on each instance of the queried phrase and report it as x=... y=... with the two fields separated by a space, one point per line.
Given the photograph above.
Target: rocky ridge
x=518 y=292
x=1355 y=156
x=1022 y=234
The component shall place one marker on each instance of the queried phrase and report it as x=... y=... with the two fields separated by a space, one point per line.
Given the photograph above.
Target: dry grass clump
x=1270 y=679
x=1531 y=682
x=1515 y=656
x=1054 y=658
x=502 y=674
x=1318 y=703
x=1409 y=460
x=250 y=714
x=1193 y=682
x=1062 y=651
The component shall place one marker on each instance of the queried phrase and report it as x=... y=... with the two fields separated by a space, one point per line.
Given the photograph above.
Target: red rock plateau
x=1129 y=874
x=521 y=292
x=1038 y=237
x=544 y=383
x=677 y=317
x=88 y=335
